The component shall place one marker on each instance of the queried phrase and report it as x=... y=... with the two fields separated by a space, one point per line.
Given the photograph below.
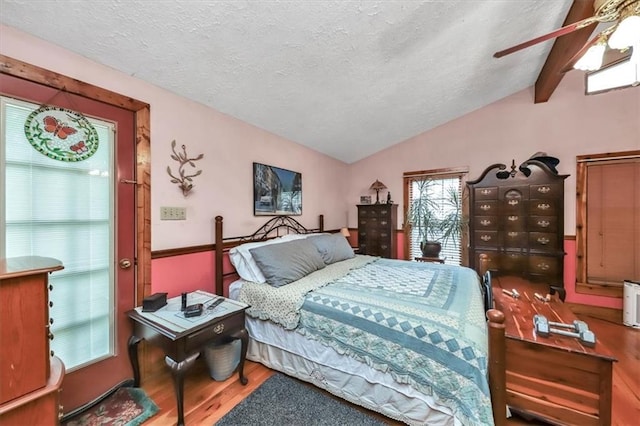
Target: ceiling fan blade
x=569 y=65
x=557 y=33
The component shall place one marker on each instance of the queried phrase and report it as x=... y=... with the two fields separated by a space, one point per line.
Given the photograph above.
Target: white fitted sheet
x=292 y=353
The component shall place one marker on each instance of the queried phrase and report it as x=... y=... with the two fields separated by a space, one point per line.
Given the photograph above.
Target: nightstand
x=182 y=338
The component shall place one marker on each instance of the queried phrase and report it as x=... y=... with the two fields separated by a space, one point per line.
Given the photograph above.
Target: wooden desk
x=555 y=378
x=182 y=339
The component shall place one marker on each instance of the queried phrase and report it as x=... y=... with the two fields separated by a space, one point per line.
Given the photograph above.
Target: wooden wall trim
x=179 y=251
x=159 y=254
x=23 y=70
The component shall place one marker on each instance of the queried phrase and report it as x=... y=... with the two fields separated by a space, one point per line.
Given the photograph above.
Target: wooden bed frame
x=281 y=225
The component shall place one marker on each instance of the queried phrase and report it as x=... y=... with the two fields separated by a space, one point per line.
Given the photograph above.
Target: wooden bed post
x=497 y=354
x=321 y=223
x=218 y=255
x=497 y=366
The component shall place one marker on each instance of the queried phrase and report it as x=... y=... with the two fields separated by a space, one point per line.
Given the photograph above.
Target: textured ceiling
x=346 y=78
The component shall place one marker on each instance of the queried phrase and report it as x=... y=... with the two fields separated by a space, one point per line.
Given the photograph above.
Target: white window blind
x=63 y=210
x=440 y=189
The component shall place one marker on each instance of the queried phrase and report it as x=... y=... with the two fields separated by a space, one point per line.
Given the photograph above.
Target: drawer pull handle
x=485 y=222
x=485 y=207
x=485 y=192
x=544 y=189
x=513 y=202
x=513 y=234
x=512 y=218
x=544 y=206
x=543 y=223
x=543 y=266
x=218 y=328
x=486 y=238
x=543 y=240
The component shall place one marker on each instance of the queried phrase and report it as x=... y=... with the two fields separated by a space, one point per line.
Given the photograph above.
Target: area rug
x=283 y=400
x=125 y=407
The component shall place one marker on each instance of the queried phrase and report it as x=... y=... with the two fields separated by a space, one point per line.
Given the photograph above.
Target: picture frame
x=365 y=199
x=276 y=191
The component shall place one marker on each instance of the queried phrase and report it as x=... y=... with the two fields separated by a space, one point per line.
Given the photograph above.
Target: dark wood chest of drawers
x=517 y=221
x=376 y=230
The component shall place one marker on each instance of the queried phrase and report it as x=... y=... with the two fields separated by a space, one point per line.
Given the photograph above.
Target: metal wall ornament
x=183 y=179
x=61 y=134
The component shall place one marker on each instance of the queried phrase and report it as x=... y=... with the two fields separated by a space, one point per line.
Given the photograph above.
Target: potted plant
x=437 y=221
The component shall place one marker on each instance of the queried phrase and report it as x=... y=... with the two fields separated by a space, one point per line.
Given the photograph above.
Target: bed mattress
x=290 y=352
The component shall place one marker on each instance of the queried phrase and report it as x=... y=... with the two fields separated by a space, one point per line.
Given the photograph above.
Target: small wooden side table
x=430 y=259
x=182 y=338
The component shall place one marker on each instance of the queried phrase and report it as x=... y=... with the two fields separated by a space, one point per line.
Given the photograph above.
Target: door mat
x=125 y=407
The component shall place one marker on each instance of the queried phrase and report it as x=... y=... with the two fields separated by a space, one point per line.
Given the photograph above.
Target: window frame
x=444 y=173
x=582 y=165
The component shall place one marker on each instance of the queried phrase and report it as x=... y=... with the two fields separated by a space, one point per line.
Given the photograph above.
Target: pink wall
x=569 y=124
x=184 y=273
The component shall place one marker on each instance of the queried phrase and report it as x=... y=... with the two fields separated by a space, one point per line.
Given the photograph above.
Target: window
x=442 y=218
x=608 y=222
x=62 y=209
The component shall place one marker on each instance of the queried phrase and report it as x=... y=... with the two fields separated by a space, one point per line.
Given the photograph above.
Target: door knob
x=125 y=263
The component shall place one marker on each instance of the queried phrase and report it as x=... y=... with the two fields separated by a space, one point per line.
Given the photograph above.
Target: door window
x=63 y=209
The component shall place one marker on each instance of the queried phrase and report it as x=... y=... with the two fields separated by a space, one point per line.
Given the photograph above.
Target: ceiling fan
x=623 y=34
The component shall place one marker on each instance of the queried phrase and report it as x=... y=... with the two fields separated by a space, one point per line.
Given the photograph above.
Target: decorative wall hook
x=183 y=180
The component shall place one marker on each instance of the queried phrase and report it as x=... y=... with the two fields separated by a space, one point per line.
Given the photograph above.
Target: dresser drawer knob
x=486 y=238
x=485 y=222
x=513 y=202
x=543 y=266
x=218 y=328
x=543 y=240
x=485 y=192
x=512 y=218
x=544 y=223
x=513 y=234
x=544 y=206
x=544 y=189
x=485 y=207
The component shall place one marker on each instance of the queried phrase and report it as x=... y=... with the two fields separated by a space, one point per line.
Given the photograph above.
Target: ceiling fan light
x=592 y=59
x=626 y=34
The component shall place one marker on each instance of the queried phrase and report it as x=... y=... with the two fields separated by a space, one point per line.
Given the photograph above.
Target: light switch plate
x=173 y=213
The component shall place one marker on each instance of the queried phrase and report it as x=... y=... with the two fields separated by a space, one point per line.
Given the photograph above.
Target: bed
x=406 y=339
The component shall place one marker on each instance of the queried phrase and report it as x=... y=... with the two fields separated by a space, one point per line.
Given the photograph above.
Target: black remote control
x=215 y=303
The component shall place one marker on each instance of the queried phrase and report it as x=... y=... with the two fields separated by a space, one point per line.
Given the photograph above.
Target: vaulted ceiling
x=346 y=78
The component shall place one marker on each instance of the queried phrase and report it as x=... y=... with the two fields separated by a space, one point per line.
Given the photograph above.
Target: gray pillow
x=287 y=262
x=332 y=247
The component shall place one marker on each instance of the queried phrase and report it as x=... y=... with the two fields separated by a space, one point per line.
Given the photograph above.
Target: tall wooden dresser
x=376 y=230
x=31 y=375
x=517 y=220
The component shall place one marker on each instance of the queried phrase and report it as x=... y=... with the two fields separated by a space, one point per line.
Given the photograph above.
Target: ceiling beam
x=563 y=50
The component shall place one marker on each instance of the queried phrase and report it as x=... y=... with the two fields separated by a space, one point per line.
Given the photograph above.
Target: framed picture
x=365 y=199
x=276 y=191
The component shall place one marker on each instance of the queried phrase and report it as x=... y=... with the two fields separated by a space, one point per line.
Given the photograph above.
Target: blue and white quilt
x=422 y=323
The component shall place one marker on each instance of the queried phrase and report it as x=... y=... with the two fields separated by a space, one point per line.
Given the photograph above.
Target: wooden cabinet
x=376 y=230
x=31 y=376
x=517 y=220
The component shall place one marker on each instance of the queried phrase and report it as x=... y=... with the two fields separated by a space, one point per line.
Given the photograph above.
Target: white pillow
x=247 y=268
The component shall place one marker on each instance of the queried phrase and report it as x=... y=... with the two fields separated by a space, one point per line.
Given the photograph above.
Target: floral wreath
x=61 y=134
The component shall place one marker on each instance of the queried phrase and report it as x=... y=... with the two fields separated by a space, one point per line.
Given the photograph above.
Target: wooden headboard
x=274 y=227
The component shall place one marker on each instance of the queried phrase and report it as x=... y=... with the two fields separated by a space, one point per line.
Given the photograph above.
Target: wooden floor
x=206 y=400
